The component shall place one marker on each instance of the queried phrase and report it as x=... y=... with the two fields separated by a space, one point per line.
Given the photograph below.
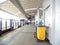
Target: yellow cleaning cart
x=40 y=34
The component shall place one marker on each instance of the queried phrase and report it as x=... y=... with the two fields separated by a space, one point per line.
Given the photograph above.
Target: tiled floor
x=21 y=36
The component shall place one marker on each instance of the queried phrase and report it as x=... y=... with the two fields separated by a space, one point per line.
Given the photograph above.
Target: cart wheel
x=35 y=35
x=38 y=40
x=46 y=40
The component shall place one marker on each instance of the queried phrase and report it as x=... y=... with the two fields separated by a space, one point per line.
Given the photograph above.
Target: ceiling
x=8 y=7
x=27 y=6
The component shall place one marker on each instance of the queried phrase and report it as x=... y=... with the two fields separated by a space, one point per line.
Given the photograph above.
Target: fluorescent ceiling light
x=1 y=1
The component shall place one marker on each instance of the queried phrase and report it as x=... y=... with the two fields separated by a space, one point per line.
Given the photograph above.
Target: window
x=3 y=24
x=0 y=24
x=8 y=24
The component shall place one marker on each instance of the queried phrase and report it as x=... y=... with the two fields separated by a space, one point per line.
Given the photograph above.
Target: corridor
x=21 y=36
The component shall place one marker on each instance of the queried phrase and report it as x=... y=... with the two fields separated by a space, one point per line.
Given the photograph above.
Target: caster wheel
x=38 y=40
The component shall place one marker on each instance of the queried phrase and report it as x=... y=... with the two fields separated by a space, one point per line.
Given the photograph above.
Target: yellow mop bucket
x=41 y=33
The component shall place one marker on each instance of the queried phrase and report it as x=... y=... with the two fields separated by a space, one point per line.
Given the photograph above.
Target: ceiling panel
x=27 y=4
x=9 y=7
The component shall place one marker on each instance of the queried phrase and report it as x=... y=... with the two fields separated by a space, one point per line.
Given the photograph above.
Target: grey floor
x=21 y=36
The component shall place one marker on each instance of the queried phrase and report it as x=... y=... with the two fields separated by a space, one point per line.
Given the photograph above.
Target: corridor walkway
x=21 y=36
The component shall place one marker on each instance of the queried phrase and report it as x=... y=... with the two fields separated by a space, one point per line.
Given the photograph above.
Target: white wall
x=55 y=30
x=57 y=24
x=49 y=19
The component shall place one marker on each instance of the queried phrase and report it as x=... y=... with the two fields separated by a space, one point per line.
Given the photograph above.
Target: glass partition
x=3 y=24
x=0 y=24
x=16 y=24
x=13 y=23
x=19 y=22
x=8 y=24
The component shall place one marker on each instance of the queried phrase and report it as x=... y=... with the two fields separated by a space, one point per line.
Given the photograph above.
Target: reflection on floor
x=21 y=36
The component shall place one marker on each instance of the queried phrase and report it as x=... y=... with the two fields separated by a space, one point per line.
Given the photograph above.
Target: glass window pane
x=8 y=24
x=12 y=22
x=19 y=23
x=0 y=24
x=3 y=24
x=16 y=24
